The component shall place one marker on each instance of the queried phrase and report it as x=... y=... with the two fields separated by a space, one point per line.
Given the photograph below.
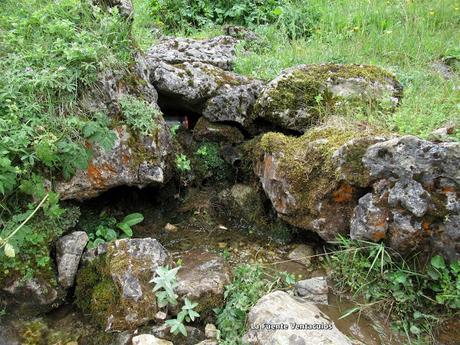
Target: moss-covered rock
x=302 y=176
x=302 y=95
x=114 y=288
x=28 y=282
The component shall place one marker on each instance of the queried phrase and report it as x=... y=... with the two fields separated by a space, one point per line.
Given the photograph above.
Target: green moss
x=306 y=89
x=96 y=294
x=307 y=163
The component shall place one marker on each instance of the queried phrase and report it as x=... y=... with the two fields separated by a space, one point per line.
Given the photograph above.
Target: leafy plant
x=182 y=163
x=186 y=314
x=165 y=283
x=250 y=283
x=139 y=115
x=412 y=292
x=105 y=232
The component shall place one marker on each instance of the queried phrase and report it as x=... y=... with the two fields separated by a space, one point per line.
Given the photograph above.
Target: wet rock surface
x=314 y=290
x=69 y=250
x=202 y=278
x=279 y=308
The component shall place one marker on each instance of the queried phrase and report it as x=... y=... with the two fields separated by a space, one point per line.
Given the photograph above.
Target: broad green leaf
x=132 y=219
x=438 y=262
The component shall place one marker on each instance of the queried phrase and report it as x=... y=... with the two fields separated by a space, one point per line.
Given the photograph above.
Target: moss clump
x=303 y=96
x=307 y=164
x=33 y=260
x=96 y=294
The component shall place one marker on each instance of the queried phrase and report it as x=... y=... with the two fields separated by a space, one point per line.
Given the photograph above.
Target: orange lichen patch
x=426 y=226
x=125 y=159
x=343 y=194
x=448 y=189
x=377 y=236
x=88 y=145
x=95 y=174
x=380 y=223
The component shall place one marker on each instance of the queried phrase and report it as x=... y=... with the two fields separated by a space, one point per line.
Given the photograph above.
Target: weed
x=250 y=283
x=182 y=163
x=139 y=115
x=417 y=296
x=107 y=228
x=165 y=283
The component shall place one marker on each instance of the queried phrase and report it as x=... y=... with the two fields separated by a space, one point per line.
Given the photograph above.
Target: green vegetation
x=104 y=228
x=165 y=283
x=139 y=115
x=405 y=37
x=209 y=162
x=417 y=295
x=182 y=163
x=249 y=284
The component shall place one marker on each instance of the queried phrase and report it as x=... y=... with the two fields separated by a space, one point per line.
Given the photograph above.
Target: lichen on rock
x=114 y=288
x=302 y=95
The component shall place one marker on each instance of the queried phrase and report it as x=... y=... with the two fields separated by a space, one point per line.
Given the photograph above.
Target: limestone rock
x=37 y=295
x=148 y=339
x=210 y=331
x=163 y=331
x=314 y=290
x=217 y=132
x=295 y=99
x=115 y=289
x=218 y=94
x=299 y=176
x=415 y=196
x=69 y=250
x=218 y=51
x=132 y=161
x=279 y=308
x=202 y=278
x=302 y=254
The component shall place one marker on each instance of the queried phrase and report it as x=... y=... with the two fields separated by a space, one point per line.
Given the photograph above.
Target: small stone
x=222 y=245
x=148 y=339
x=210 y=331
x=170 y=227
x=302 y=254
x=160 y=316
x=314 y=290
x=69 y=250
x=221 y=227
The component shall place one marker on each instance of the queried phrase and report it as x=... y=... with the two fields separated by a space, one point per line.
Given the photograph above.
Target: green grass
x=405 y=37
x=417 y=294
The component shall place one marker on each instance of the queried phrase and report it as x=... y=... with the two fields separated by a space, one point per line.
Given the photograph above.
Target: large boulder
x=219 y=51
x=202 y=279
x=403 y=190
x=299 y=96
x=194 y=76
x=134 y=160
x=301 y=176
x=114 y=288
x=278 y=318
x=415 y=201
